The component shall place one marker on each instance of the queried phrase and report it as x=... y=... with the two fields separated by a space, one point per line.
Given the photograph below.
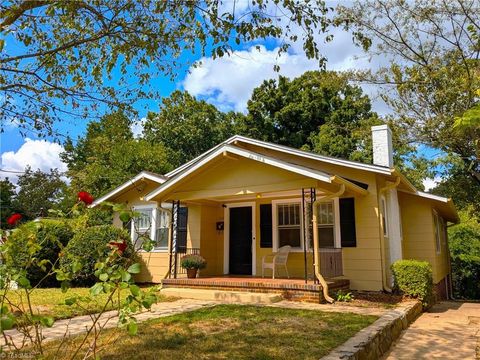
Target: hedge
x=413 y=278
x=90 y=245
x=39 y=240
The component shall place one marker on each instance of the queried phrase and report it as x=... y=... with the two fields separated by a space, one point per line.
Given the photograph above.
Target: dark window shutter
x=266 y=225
x=182 y=228
x=347 y=222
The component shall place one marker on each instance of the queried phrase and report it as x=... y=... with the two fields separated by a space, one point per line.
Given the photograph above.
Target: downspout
x=382 y=238
x=316 y=265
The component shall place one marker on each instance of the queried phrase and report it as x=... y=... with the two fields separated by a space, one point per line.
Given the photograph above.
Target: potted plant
x=192 y=263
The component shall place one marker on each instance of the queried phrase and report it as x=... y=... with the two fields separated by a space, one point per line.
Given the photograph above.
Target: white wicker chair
x=276 y=259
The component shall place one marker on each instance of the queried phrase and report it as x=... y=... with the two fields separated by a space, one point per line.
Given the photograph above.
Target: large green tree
x=39 y=192
x=109 y=155
x=71 y=58
x=7 y=200
x=188 y=127
x=433 y=52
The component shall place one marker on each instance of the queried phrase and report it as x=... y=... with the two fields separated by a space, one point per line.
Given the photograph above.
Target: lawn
x=51 y=301
x=229 y=332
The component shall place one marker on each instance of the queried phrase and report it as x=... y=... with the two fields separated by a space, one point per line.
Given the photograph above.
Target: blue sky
x=225 y=82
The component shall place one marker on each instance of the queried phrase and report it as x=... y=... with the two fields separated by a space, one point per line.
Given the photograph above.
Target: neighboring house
x=245 y=198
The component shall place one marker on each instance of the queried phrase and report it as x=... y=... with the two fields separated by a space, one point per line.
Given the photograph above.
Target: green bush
x=38 y=240
x=413 y=278
x=464 y=243
x=90 y=245
x=193 y=262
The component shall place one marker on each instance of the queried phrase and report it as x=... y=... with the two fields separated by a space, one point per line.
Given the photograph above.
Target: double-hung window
x=288 y=220
x=326 y=224
x=151 y=223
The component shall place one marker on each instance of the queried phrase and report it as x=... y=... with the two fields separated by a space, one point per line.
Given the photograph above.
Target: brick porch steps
x=290 y=289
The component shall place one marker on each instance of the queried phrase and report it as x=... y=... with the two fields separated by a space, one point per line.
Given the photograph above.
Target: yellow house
x=246 y=198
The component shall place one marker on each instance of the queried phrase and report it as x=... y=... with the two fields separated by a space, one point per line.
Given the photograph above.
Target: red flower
x=85 y=197
x=121 y=246
x=14 y=219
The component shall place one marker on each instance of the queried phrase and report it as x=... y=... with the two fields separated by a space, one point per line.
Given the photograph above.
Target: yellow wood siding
x=419 y=235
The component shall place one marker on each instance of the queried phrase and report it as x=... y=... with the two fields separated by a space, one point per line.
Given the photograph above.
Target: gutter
x=316 y=264
x=382 y=238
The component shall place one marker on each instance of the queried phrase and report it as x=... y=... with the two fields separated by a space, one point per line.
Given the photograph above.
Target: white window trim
x=153 y=226
x=275 y=204
x=226 y=235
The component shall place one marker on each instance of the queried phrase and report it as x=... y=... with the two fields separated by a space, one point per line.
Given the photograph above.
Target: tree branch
x=11 y=15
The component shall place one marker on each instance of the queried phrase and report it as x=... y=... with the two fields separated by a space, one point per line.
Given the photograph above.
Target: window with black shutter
x=266 y=225
x=347 y=222
x=182 y=228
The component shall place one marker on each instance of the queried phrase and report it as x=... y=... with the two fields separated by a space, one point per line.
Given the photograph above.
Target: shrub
x=90 y=245
x=413 y=278
x=193 y=262
x=464 y=243
x=42 y=240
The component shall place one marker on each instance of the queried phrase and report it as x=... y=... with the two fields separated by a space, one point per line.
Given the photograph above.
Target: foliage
x=42 y=240
x=72 y=59
x=38 y=192
x=7 y=196
x=237 y=331
x=187 y=126
x=193 y=262
x=433 y=49
x=413 y=278
x=108 y=155
x=344 y=297
x=88 y=246
x=464 y=244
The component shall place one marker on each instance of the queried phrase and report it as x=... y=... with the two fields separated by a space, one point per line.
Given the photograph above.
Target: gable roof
x=248 y=154
x=160 y=179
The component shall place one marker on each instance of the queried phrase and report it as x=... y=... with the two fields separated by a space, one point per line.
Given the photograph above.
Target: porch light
x=259 y=196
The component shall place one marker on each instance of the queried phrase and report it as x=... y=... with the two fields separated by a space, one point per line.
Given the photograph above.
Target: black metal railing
x=182 y=251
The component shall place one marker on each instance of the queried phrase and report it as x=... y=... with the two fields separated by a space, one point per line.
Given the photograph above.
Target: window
x=161 y=233
x=151 y=223
x=438 y=231
x=383 y=212
x=326 y=225
x=142 y=226
x=289 y=225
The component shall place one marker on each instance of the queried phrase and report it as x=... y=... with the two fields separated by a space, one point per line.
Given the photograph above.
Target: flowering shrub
x=14 y=219
x=111 y=266
x=193 y=262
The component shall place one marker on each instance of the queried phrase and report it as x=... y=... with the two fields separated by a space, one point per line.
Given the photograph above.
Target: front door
x=240 y=235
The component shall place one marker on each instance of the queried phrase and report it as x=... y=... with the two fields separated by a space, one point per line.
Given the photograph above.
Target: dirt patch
x=217 y=326
x=375 y=299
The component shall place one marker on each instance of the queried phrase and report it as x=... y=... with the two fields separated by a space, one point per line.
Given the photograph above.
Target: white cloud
x=137 y=127
x=38 y=154
x=429 y=183
x=228 y=81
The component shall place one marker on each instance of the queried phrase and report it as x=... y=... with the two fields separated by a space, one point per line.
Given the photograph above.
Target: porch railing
x=181 y=251
x=331 y=264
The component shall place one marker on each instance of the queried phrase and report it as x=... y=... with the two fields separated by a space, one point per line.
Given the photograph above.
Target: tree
x=38 y=192
x=188 y=127
x=73 y=58
x=7 y=199
x=108 y=155
x=434 y=51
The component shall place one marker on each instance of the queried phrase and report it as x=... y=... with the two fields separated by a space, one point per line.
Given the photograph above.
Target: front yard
x=51 y=302
x=229 y=332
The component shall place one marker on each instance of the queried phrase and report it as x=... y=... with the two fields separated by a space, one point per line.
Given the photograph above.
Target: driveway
x=450 y=330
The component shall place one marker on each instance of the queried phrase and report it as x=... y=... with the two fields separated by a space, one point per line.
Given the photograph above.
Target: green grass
x=51 y=302
x=229 y=332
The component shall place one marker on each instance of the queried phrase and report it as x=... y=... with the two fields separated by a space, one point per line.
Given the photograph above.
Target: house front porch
x=290 y=289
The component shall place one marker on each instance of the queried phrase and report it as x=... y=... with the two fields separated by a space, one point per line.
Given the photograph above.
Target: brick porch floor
x=291 y=289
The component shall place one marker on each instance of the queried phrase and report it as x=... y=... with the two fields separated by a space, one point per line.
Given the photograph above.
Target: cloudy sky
x=225 y=82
